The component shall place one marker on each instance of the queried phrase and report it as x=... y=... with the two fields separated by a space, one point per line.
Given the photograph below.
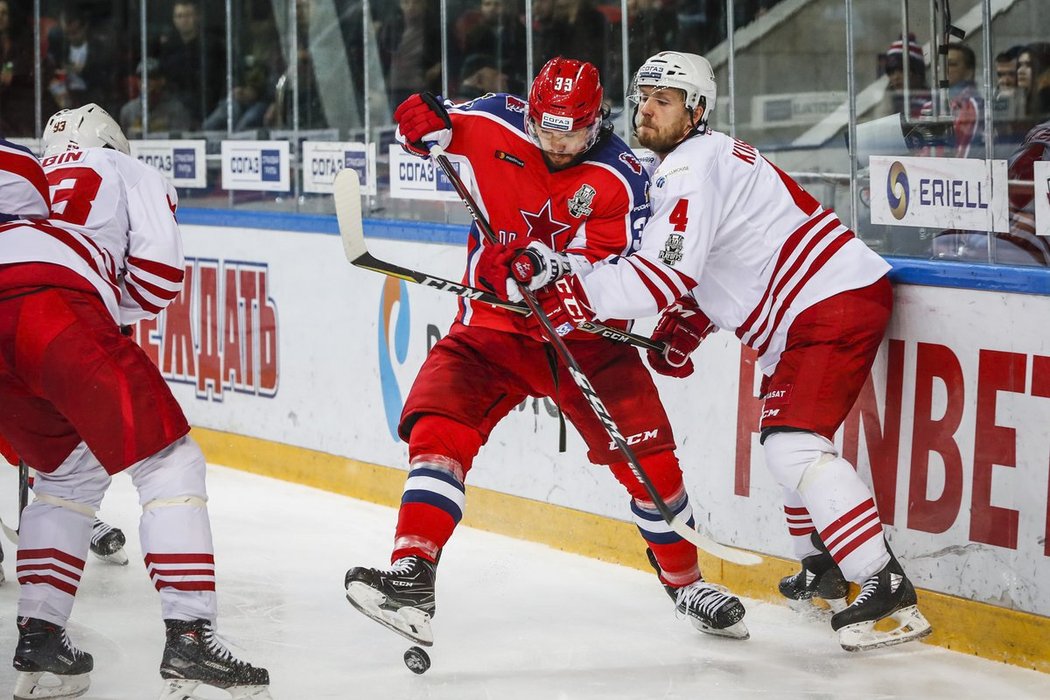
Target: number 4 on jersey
x=680 y=215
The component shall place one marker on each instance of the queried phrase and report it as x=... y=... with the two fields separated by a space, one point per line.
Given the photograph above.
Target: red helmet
x=566 y=95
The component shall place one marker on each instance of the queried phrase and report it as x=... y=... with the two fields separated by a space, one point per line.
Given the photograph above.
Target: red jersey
x=595 y=209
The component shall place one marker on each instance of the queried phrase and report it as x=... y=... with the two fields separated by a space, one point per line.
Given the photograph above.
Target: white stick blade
x=730 y=554
x=347 y=192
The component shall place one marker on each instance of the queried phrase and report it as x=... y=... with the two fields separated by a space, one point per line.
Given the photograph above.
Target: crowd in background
x=91 y=51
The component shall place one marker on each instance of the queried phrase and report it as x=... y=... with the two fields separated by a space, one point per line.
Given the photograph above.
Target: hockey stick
x=731 y=554
x=348 y=212
x=23 y=500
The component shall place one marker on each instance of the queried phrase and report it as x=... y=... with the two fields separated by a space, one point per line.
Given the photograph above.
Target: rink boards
x=294 y=364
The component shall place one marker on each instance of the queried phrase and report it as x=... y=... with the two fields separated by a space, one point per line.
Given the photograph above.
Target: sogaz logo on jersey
x=394 y=318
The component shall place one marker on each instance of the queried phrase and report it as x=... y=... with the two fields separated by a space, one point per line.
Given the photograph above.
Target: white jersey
x=753 y=246
x=113 y=223
x=23 y=187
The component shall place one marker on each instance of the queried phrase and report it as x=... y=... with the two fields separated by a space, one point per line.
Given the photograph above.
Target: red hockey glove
x=421 y=118
x=681 y=327
x=566 y=304
x=493 y=268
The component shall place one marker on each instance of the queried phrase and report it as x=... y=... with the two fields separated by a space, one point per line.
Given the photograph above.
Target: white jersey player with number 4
x=733 y=242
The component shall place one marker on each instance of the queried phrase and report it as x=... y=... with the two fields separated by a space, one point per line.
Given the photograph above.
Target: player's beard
x=660 y=140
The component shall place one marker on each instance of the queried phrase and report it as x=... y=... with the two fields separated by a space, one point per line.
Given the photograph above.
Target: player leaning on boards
x=735 y=243
x=550 y=170
x=80 y=401
x=24 y=193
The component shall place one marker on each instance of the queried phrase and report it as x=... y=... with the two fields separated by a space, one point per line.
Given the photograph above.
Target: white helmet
x=89 y=126
x=686 y=71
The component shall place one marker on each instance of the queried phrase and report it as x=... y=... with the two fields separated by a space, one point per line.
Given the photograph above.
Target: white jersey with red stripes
x=23 y=187
x=113 y=223
x=753 y=246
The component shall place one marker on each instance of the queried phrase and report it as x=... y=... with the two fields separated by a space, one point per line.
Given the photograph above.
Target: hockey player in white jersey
x=736 y=244
x=80 y=401
x=24 y=194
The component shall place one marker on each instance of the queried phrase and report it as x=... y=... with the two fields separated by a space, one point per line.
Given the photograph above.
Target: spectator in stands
x=252 y=96
x=311 y=114
x=651 y=25
x=495 y=29
x=1033 y=77
x=166 y=113
x=16 y=72
x=193 y=64
x=479 y=76
x=918 y=94
x=1008 y=103
x=81 y=62
x=965 y=105
x=1022 y=246
x=702 y=23
x=409 y=42
x=580 y=31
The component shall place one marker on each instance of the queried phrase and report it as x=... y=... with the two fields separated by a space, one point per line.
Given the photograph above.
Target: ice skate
x=400 y=598
x=48 y=664
x=107 y=543
x=194 y=657
x=888 y=593
x=821 y=578
x=710 y=608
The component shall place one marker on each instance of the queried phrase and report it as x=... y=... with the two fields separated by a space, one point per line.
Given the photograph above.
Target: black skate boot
x=107 y=543
x=400 y=598
x=820 y=577
x=43 y=647
x=710 y=608
x=888 y=593
x=194 y=656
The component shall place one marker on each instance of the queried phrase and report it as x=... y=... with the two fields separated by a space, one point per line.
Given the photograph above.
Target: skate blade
x=737 y=630
x=177 y=689
x=29 y=687
x=410 y=623
x=863 y=636
x=118 y=557
x=811 y=608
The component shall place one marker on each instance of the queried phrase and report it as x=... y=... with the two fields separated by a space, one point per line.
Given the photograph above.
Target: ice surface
x=515 y=619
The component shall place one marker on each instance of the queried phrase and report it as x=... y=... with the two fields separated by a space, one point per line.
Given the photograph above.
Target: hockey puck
x=417 y=660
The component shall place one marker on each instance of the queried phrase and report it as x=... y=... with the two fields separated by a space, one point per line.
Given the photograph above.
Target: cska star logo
x=543 y=225
x=580 y=204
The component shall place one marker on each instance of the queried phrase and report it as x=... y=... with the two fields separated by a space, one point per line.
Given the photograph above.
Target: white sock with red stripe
x=52 y=545
x=175 y=531
x=799 y=525
x=838 y=501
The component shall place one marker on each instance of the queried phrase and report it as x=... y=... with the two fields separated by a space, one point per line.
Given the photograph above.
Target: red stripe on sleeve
x=167 y=272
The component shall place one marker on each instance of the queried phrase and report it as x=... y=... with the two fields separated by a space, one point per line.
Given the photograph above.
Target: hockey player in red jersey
x=549 y=170
x=81 y=402
x=735 y=243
